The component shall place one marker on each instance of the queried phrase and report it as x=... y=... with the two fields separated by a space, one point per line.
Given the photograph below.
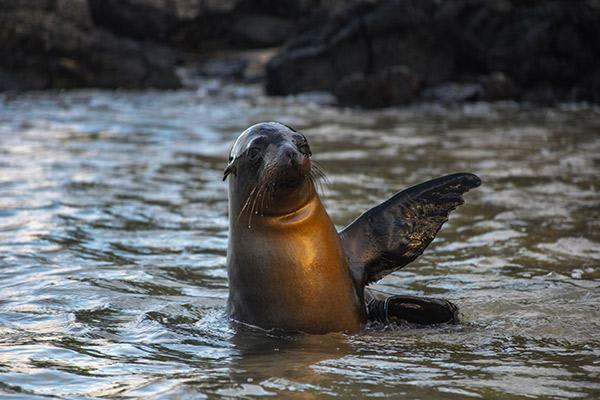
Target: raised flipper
x=394 y=233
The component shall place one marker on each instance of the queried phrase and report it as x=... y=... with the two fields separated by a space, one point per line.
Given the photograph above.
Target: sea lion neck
x=297 y=215
x=256 y=200
x=290 y=201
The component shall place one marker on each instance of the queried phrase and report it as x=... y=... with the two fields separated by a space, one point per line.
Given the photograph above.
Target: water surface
x=113 y=235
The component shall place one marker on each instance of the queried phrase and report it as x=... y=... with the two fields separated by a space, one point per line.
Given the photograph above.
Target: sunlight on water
x=113 y=236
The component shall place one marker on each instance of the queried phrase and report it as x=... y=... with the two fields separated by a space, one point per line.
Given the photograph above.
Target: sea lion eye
x=253 y=153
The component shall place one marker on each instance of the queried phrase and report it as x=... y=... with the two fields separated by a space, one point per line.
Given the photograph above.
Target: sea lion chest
x=290 y=272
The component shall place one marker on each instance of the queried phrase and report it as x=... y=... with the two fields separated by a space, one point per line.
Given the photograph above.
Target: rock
x=313 y=72
x=156 y=20
x=535 y=44
x=518 y=47
x=317 y=59
x=203 y=24
x=137 y=43
x=363 y=40
x=498 y=86
x=54 y=44
x=7 y=81
x=393 y=86
x=260 y=30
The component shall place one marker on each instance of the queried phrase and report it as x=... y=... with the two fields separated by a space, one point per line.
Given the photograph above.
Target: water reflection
x=113 y=234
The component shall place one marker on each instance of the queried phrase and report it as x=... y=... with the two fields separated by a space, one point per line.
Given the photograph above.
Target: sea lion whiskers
x=247 y=202
x=254 y=200
x=269 y=179
x=316 y=167
x=260 y=194
x=318 y=176
x=264 y=189
x=251 y=199
x=315 y=180
x=266 y=194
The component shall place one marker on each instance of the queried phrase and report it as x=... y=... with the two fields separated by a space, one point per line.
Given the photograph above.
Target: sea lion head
x=270 y=169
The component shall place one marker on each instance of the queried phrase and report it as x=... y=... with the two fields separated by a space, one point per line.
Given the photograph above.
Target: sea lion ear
x=228 y=170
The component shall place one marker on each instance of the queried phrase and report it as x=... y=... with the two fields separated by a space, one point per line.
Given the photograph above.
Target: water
x=113 y=233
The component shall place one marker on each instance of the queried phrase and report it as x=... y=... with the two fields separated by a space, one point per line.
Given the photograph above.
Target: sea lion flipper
x=386 y=308
x=394 y=233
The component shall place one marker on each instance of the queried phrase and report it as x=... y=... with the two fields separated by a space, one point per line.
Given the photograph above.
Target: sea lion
x=288 y=267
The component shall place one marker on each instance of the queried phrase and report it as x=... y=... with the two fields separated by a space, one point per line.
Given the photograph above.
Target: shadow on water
x=272 y=363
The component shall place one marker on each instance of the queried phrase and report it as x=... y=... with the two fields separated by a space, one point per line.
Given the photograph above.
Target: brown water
x=113 y=233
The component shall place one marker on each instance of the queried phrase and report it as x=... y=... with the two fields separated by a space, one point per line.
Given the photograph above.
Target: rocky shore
x=132 y=43
x=394 y=52
x=367 y=53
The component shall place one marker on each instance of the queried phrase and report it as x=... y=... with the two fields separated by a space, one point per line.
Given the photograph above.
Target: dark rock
x=260 y=30
x=364 y=39
x=498 y=86
x=550 y=48
x=165 y=21
x=399 y=33
x=136 y=43
x=7 y=82
x=313 y=72
x=317 y=59
x=53 y=44
x=536 y=44
x=201 y=24
x=394 y=86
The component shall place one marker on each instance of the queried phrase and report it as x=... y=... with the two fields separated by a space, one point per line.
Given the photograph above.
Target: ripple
x=113 y=238
x=574 y=247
